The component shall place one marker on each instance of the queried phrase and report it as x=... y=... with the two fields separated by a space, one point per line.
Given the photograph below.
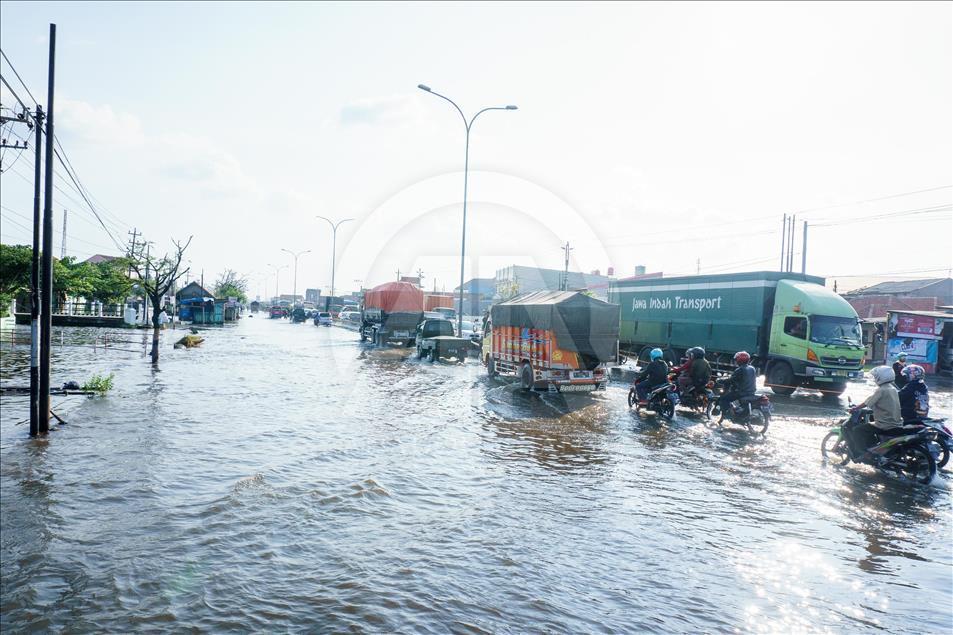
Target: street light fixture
x=277 y=269
x=294 y=290
x=334 y=248
x=466 y=168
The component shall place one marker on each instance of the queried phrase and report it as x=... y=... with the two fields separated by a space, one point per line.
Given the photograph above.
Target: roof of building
x=194 y=286
x=95 y=259
x=486 y=286
x=897 y=286
x=932 y=314
x=873 y=306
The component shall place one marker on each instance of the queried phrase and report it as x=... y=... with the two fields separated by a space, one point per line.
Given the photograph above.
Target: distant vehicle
x=556 y=341
x=350 y=316
x=276 y=312
x=798 y=332
x=435 y=339
x=298 y=315
x=323 y=318
x=472 y=328
x=446 y=312
x=391 y=313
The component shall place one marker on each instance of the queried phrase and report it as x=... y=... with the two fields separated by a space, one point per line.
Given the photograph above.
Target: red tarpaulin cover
x=393 y=297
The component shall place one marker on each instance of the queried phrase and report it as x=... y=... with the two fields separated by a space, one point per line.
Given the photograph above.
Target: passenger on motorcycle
x=885 y=403
x=898 y=366
x=652 y=376
x=914 y=396
x=701 y=369
x=742 y=385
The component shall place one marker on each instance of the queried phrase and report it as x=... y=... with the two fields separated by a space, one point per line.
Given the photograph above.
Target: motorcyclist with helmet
x=695 y=371
x=652 y=376
x=885 y=404
x=742 y=385
x=914 y=396
x=898 y=366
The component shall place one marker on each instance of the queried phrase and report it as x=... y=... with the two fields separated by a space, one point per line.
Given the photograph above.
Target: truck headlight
x=816 y=372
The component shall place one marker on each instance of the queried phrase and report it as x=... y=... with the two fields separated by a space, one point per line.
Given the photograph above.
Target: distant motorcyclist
x=885 y=404
x=701 y=369
x=914 y=396
x=898 y=365
x=652 y=376
x=742 y=385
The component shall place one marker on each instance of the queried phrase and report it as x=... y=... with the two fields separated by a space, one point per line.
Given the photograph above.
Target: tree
x=231 y=285
x=15 y=262
x=157 y=275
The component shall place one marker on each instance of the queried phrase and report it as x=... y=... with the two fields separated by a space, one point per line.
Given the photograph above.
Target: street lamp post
x=334 y=248
x=294 y=290
x=466 y=168
x=277 y=269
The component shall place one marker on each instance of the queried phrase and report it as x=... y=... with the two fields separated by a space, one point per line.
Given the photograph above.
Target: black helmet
x=696 y=352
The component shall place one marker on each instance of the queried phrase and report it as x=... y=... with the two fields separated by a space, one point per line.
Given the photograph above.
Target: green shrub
x=99 y=383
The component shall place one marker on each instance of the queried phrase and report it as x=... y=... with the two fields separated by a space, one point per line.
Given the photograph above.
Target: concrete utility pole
x=565 y=283
x=47 y=282
x=334 y=249
x=804 y=250
x=35 y=283
x=784 y=234
x=145 y=294
x=466 y=169
x=132 y=248
x=63 y=245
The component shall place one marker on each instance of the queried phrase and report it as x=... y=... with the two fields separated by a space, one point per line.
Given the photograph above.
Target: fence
x=91 y=309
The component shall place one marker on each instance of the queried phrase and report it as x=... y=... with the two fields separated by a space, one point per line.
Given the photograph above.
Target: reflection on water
x=286 y=477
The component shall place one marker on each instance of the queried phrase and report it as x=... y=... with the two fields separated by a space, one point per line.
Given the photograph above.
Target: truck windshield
x=835 y=330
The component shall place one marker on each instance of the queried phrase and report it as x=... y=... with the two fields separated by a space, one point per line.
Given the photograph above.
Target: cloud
x=98 y=124
x=394 y=109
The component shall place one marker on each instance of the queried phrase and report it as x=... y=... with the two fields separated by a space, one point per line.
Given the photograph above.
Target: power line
x=23 y=83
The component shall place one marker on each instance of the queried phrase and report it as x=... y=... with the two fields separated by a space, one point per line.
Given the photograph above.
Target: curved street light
x=294 y=289
x=276 y=268
x=466 y=168
x=334 y=248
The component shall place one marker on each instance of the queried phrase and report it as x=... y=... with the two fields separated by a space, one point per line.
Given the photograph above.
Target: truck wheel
x=434 y=355
x=490 y=366
x=781 y=379
x=526 y=377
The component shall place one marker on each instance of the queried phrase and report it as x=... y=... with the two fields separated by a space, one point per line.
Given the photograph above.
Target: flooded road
x=287 y=478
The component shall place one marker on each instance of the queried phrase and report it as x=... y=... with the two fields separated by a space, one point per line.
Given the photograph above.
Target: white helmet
x=882 y=374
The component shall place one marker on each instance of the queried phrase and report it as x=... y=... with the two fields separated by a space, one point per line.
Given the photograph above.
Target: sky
x=669 y=135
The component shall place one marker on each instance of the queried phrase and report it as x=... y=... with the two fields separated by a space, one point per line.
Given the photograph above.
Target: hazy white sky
x=652 y=134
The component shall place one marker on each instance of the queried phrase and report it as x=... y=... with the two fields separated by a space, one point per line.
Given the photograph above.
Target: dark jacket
x=655 y=373
x=898 y=377
x=701 y=372
x=914 y=396
x=744 y=381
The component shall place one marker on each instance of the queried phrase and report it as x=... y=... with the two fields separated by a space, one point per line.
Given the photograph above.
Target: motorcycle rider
x=701 y=369
x=885 y=403
x=898 y=365
x=914 y=396
x=742 y=384
x=652 y=376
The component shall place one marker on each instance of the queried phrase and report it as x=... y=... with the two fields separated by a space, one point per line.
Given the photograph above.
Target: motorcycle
x=699 y=402
x=941 y=438
x=753 y=413
x=661 y=400
x=907 y=455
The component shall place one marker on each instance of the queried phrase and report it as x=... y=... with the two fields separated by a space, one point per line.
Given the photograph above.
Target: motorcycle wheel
x=944 y=454
x=834 y=448
x=666 y=409
x=709 y=406
x=916 y=463
x=633 y=398
x=758 y=421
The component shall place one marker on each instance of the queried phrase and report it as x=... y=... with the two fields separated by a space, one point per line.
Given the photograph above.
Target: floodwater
x=287 y=478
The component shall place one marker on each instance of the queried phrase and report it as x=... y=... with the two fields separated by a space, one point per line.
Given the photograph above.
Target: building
x=193 y=299
x=478 y=294
x=925 y=336
x=514 y=280
x=313 y=296
x=905 y=295
x=95 y=259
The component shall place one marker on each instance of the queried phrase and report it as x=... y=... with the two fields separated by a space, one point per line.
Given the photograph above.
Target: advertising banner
x=922 y=352
x=918 y=326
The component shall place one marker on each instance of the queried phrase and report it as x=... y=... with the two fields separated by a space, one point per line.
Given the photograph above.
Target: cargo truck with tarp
x=798 y=332
x=557 y=341
x=391 y=313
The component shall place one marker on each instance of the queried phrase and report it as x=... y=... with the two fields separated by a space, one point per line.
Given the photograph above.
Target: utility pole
x=398 y=275
x=47 y=282
x=791 y=244
x=35 y=282
x=145 y=294
x=565 y=285
x=63 y=246
x=804 y=250
x=132 y=248
x=784 y=235
x=698 y=266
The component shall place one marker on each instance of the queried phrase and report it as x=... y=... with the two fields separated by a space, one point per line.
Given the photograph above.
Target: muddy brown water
x=287 y=478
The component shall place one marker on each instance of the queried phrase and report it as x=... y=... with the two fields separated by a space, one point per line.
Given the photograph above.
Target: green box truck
x=799 y=333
